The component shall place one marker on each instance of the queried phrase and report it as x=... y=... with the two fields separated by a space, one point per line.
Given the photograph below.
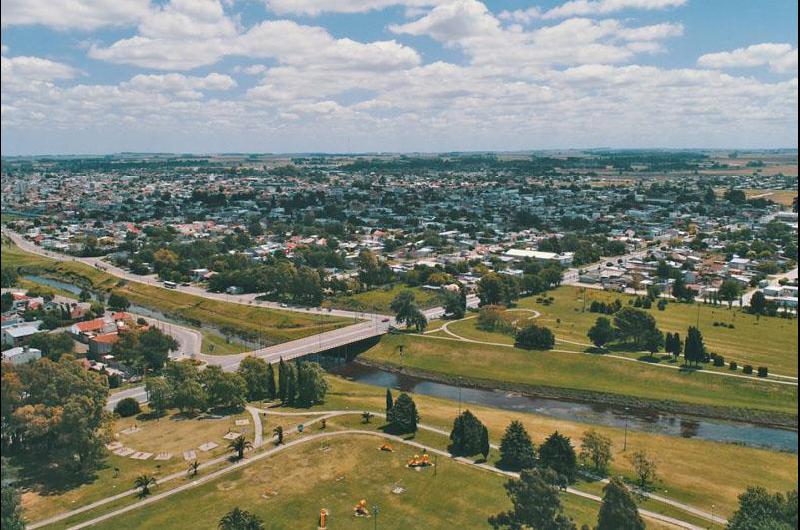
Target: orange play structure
x=323 y=519
x=386 y=447
x=360 y=509
x=417 y=461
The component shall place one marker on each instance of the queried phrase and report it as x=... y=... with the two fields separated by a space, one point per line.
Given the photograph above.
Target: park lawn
x=289 y=489
x=697 y=472
x=379 y=299
x=581 y=372
x=213 y=344
x=170 y=433
x=768 y=341
x=784 y=197
x=270 y=325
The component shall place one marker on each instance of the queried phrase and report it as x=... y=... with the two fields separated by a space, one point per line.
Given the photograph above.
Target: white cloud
x=73 y=14
x=604 y=7
x=25 y=69
x=781 y=58
x=179 y=82
x=317 y=7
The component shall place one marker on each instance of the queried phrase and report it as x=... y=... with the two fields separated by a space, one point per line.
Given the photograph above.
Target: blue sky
x=396 y=75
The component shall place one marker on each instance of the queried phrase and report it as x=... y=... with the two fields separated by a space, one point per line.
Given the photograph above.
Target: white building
x=21 y=355
x=564 y=259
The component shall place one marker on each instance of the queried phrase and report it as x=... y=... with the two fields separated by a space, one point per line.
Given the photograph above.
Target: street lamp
x=625 y=440
x=375 y=511
x=712 y=515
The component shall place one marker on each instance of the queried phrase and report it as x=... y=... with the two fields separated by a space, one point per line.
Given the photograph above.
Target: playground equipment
x=386 y=447
x=323 y=519
x=420 y=461
x=360 y=509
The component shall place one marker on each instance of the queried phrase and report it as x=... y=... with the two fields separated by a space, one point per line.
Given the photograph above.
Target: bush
x=731 y=326
x=733 y=366
x=127 y=407
x=662 y=304
x=762 y=371
x=719 y=360
x=535 y=337
x=747 y=369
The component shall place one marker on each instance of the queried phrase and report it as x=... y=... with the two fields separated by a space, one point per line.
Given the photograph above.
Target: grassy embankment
x=270 y=325
x=379 y=299
x=306 y=478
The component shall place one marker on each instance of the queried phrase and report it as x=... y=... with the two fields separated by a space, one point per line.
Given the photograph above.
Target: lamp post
x=375 y=511
x=712 y=516
x=625 y=439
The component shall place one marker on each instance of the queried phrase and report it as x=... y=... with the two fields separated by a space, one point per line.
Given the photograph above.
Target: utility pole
x=625 y=440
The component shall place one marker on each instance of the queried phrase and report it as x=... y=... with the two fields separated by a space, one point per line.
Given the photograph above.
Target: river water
x=598 y=414
x=592 y=414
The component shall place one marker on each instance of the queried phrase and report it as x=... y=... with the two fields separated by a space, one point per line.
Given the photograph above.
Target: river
x=592 y=414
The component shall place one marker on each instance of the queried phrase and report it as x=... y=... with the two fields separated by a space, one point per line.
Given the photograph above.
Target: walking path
x=320 y=415
x=792 y=381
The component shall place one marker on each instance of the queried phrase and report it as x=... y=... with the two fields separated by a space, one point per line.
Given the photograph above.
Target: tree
x=159 y=394
x=193 y=468
x=224 y=389
x=405 y=308
x=516 y=448
x=8 y=278
x=256 y=375
x=694 y=349
x=282 y=380
x=149 y=348
x=271 y=390
x=366 y=416
x=291 y=385
x=485 y=445
x=758 y=509
x=144 y=483
x=454 y=304
x=190 y=397
x=644 y=467
x=602 y=332
x=55 y=411
x=127 y=407
x=634 y=325
x=618 y=510
x=491 y=289
x=311 y=384
x=238 y=519
x=52 y=345
x=673 y=344
x=535 y=337
x=535 y=502
x=729 y=291
x=239 y=445
x=466 y=435
x=11 y=508
x=596 y=449
x=278 y=432
x=389 y=401
x=558 y=454
x=653 y=341
x=403 y=416
x=758 y=303
x=117 y=302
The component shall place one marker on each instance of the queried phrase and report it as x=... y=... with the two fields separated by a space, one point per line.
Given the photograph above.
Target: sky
x=298 y=76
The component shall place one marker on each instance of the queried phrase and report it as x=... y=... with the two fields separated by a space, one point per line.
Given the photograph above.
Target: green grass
x=768 y=341
x=581 y=372
x=306 y=479
x=213 y=344
x=271 y=325
x=380 y=298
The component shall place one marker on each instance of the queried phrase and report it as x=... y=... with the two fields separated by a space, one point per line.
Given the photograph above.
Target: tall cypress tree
x=291 y=384
x=485 y=445
x=618 y=510
x=389 y=401
x=282 y=381
x=558 y=454
x=271 y=392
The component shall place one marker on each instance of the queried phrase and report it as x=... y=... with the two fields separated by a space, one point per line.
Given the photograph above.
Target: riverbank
x=758 y=417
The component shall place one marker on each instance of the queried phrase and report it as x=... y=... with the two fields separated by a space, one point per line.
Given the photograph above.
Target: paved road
x=348 y=432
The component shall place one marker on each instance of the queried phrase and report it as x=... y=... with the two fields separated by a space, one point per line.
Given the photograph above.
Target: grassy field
x=697 y=472
x=768 y=341
x=213 y=344
x=379 y=299
x=288 y=491
x=581 y=372
x=272 y=326
x=171 y=433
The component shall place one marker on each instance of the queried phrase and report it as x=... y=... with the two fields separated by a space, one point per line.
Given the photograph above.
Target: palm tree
x=238 y=519
x=144 y=482
x=366 y=416
x=278 y=432
x=240 y=445
x=193 y=467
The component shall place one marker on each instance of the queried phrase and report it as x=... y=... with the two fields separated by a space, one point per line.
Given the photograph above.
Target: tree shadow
x=38 y=474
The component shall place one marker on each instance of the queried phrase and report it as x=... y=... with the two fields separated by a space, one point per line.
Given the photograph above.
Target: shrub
x=731 y=326
x=762 y=371
x=535 y=337
x=127 y=407
x=719 y=360
x=733 y=366
x=747 y=369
